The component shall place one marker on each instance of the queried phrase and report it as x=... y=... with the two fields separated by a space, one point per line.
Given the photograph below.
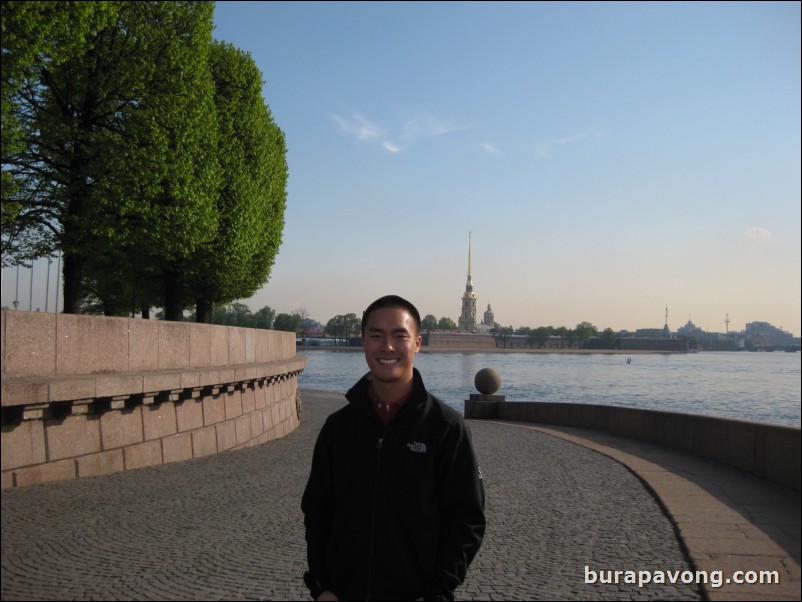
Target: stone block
x=248 y=400
x=174 y=339
x=121 y=428
x=243 y=428
x=143 y=345
x=257 y=427
x=91 y=344
x=21 y=393
x=190 y=379
x=161 y=381
x=72 y=436
x=7 y=480
x=100 y=463
x=227 y=375
x=29 y=344
x=208 y=378
x=159 y=421
x=236 y=346
x=189 y=415
x=44 y=473
x=22 y=445
x=119 y=384
x=204 y=442
x=72 y=388
x=226 y=436
x=218 y=354
x=214 y=410
x=261 y=346
x=200 y=345
x=250 y=345
x=233 y=405
x=144 y=454
x=177 y=448
x=3 y=342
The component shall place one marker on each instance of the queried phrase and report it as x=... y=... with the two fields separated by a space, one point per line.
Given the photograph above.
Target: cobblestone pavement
x=229 y=527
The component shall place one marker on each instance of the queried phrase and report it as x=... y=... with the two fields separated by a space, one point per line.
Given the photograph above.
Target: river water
x=751 y=386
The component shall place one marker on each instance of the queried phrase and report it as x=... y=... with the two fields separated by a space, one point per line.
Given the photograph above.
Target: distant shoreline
x=425 y=349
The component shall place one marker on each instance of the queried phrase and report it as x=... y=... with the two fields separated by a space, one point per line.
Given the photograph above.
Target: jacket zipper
x=373 y=515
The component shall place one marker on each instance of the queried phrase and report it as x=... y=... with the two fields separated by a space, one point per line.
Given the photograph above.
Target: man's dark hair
x=391 y=301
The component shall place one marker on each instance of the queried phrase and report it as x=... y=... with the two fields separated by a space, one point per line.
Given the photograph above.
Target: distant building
x=763 y=334
x=690 y=330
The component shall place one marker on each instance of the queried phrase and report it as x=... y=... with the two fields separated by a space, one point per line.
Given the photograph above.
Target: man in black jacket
x=394 y=505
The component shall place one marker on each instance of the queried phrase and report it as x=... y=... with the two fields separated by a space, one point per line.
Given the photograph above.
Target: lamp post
x=16 y=292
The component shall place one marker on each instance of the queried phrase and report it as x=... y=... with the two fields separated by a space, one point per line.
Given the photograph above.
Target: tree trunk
x=73 y=266
x=204 y=311
x=173 y=303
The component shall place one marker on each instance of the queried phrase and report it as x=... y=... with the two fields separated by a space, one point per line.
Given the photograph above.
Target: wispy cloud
x=578 y=137
x=546 y=149
x=359 y=127
x=489 y=148
x=757 y=235
x=395 y=139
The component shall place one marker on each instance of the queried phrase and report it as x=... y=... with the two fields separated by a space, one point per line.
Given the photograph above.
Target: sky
x=609 y=161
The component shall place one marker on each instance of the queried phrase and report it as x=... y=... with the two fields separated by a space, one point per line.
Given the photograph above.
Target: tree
x=287 y=322
x=446 y=324
x=541 y=335
x=584 y=331
x=561 y=332
x=429 y=323
x=608 y=338
x=263 y=318
x=505 y=333
x=116 y=160
x=35 y=36
x=250 y=204
x=343 y=327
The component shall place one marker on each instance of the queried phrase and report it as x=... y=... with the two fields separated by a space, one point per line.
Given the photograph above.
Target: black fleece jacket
x=396 y=511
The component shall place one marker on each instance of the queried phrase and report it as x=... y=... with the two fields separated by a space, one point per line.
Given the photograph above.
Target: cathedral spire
x=469 y=284
x=467 y=320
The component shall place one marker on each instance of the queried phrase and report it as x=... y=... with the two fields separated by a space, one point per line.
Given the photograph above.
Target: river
x=751 y=386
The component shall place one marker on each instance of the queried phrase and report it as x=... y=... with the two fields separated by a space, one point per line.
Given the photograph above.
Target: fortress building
x=467 y=318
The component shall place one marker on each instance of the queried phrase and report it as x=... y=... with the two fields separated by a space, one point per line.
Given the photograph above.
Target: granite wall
x=88 y=395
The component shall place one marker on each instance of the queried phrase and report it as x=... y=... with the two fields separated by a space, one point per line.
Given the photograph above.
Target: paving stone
x=229 y=526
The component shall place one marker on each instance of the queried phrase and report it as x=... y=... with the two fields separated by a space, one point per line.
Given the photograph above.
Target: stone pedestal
x=483 y=406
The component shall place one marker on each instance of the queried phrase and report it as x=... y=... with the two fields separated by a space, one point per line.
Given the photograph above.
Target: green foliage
x=251 y=200
x=429 y=322
x=446 y=324
x=239 y=314
x=343 y=327
x=117 y=164
x=287 y=323
x=143 y=150
x=584 y=331
x=37 y=37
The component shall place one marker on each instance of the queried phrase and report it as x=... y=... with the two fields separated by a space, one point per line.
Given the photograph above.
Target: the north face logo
x=417 y=447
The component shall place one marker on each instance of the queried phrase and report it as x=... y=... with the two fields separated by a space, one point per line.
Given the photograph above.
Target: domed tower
x=467 y=319
x=489 y=318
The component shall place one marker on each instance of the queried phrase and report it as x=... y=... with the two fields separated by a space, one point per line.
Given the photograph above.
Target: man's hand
x=327 y=596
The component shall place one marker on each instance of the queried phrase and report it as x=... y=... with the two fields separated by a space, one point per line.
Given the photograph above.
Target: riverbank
x=426 y=349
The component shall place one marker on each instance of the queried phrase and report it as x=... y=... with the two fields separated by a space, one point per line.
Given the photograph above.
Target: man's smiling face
x=391 y=340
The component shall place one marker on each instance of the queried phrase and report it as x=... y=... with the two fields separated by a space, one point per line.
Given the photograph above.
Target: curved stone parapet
x=770 y=451
x=88 y=395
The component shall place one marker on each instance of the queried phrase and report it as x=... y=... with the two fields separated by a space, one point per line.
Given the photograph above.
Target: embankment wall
x=88 y=395
x=769 y=451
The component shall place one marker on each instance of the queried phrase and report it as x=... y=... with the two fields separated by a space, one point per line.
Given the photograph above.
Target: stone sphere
x=487 y=381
